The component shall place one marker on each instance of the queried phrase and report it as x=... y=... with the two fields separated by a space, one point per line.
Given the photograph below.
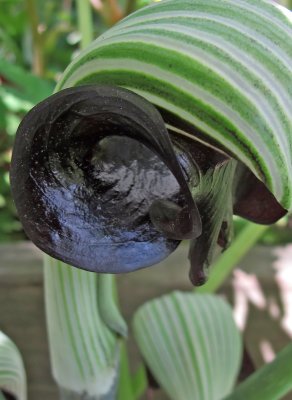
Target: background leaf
x=12 y=373
x=191 y=345
x=271 y=382
x=23 y=84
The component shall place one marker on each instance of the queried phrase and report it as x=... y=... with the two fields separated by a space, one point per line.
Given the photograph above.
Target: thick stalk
x=271 y=382
x=85 y=22
x=38 y=56
x=125 y=390
x=84 y=351
x=245 y=240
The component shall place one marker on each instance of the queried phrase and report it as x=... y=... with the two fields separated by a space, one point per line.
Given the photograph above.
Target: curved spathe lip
x=96 y=181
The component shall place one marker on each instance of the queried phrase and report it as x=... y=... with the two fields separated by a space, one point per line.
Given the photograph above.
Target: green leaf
x=23 y=84
x=271 y=382
x=139 y=382
x=12 y=122
x=12 y=373
x=84 y=351
x=191 y=344
x=12 y=101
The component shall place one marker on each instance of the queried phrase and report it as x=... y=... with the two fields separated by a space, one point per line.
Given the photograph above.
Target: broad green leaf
x=24 y=85
x=12 y=101
x=219 y=67
x=191 y=345
x=271 y=382
x=12 y=373
x=84 y=351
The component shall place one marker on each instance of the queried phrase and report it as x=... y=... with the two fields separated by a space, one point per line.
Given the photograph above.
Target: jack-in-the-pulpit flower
x=162 y=129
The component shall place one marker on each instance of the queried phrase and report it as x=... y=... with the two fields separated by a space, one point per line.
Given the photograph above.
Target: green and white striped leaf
x=12 y=373
x=222 y=68
x=191 y=345
x=84 y=350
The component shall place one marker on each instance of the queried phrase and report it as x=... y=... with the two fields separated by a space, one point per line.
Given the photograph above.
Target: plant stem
x=271 y=382
x=129 y=7
x=245 y=240
x=139 y=382
x=125 y=390
x=108 y=304
x=38 y=57
x=113 y=12
x=85 y=22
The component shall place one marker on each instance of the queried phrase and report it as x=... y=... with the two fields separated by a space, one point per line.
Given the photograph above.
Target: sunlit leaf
x=23 y=84
x=13 y=102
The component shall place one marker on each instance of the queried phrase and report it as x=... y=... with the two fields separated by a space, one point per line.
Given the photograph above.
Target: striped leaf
x=84 y=350
x=191 y=345
x=218 y=67
x=12 y=373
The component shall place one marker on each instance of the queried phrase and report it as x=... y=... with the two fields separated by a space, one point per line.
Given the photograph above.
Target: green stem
x=271 y=382
x=85 y=22
x=38 y=56
x=245 y=240
x=139 y=382
x=108 y=304
x=125 y=390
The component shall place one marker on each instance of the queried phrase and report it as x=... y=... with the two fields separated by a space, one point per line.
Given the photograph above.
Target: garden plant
x=160 y=131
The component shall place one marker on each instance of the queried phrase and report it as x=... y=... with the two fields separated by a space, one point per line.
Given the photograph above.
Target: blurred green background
x=38 y=39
